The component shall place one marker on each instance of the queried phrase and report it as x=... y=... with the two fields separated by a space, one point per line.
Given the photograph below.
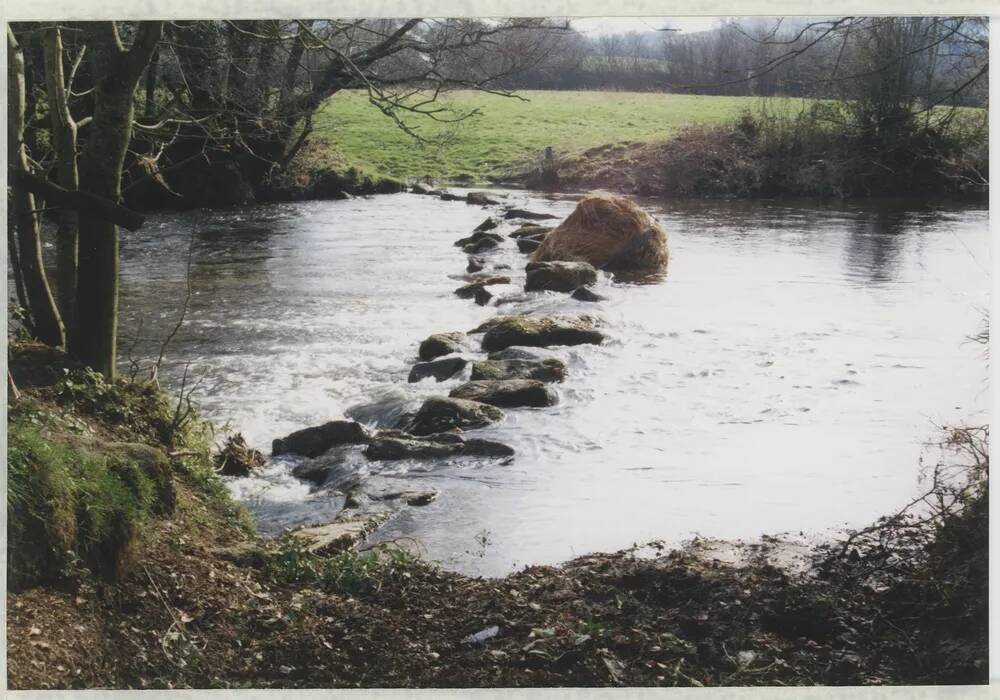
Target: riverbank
x=200 y=601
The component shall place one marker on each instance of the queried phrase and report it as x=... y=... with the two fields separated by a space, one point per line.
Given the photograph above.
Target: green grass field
x=350 y=131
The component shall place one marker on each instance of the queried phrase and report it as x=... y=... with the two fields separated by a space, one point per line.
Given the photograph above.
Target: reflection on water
x=782 y=377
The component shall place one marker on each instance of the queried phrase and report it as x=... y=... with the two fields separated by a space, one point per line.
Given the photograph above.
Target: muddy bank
x=780 y=157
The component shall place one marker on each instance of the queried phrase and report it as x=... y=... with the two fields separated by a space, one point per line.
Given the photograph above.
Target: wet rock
x=516 y=354
x=584 y=294
x=237 y=458
x=439 y=369
x=480 y=198
x=468 y=291
x=346 y=532
x=508 y=393
x=525 y=214
x=388 y=492
x=542 y=369
x=312 y=442
x=481 y=245
x=439 y=414
x=475 y=264
x=478 y=236
x=440 y=344
x=388 y=410
x=531 y=230
x=449 y=197
x=394 y=445
x=537 y=331
x=558 y=276
x=419 y=189
x=528 y=244
x=489 y=223
x=482 y=296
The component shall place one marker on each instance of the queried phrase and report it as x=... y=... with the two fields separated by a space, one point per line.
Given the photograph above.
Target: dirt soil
x=205 y=607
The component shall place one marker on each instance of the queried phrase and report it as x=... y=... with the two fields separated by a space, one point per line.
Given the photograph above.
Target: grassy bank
x=191 y=598
x=507 y=131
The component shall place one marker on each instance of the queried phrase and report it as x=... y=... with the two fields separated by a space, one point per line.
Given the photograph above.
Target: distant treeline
x=936 y=57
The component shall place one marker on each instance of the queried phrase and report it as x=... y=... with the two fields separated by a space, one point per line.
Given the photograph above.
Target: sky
x=616 y=25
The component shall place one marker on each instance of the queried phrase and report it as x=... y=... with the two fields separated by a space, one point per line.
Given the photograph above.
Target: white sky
x=617 y=25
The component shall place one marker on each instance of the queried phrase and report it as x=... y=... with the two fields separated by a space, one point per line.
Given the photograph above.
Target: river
x=783 y=377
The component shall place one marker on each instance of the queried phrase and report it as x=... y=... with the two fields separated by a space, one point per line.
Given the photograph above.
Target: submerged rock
x=584 y=294
x=394 y=445
x=517 y=354
x=531 y=230
x=469 y=291
x=528 y=244
x=538 y=331
x=478 y=236
x=488 y=224
x=312 y=442
x=509 y=393
x=440 y=344
x=558 y=276
x=482 y=296
x=439 y=369
x=480 y=245
x=525 y=214
x=439 y=414
x=541 y=369
x=479 y=198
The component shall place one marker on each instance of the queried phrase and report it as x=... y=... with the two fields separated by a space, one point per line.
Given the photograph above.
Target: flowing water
x=783 y=377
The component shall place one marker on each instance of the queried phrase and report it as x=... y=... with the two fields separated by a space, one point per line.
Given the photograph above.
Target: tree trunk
x=117 y=72
x=64 y=145
x=45 y=318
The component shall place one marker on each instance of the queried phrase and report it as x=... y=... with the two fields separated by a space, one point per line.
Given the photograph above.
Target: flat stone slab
x=346 y=532
x=537 y=331
x=508 y=393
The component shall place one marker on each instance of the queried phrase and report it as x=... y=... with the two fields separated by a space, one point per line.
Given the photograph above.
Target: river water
x=783 y=377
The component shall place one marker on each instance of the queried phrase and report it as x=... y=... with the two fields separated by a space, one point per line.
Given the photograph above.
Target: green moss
x=487 y=369
x=67 y=504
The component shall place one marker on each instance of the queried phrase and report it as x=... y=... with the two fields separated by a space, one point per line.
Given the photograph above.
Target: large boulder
x=439 y=369
x=610 y=233
x=312 y=442
x=542 y=369
x=439 y=415
x=440 y=344
x=558 y=276
x=509 y=393
x=538 y=331
x=394 y=444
